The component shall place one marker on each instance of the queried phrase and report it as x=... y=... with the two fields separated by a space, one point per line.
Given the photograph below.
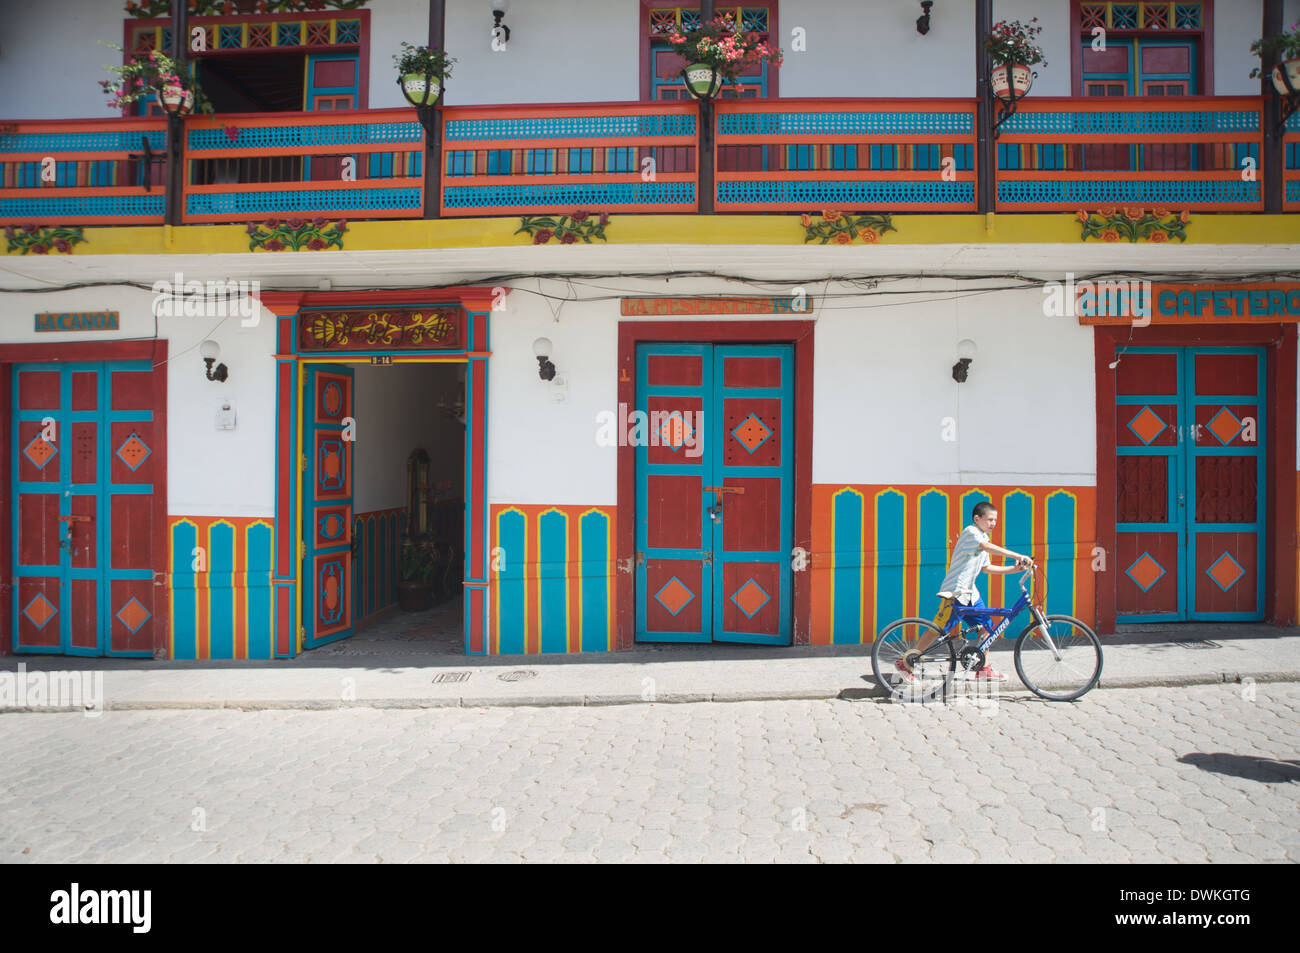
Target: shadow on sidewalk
x=1250 y=767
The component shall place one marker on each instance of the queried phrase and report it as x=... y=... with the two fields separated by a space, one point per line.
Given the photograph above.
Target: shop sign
x=77 y=321
x=1187 y=304
x=399 y=329
x=789 y=304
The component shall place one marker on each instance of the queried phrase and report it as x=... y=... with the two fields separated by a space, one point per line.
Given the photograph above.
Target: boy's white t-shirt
x=968 y=561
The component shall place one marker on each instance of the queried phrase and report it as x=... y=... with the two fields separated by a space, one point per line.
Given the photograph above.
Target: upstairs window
x=661 y=63
x=1142 y=49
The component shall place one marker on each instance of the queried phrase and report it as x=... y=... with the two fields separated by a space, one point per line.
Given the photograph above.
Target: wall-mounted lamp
x=965 y=354
x=499 y=9
x=545 y=369
x=210 y=351
x=923 y=21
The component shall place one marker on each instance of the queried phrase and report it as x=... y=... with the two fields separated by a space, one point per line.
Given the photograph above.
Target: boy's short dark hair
x=983 y=508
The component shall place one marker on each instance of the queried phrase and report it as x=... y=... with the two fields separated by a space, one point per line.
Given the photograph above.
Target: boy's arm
x=1000 y=570
x=990 y=547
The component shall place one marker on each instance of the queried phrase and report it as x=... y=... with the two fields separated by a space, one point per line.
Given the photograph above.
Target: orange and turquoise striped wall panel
x=221 y=605
x=377 y=566
x=552 y=575
x=881 y=552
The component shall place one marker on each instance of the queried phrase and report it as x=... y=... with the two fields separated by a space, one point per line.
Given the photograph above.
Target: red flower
x=62 y=245
x=579 y=216
x=252 y=228
x=272 y=223
x=341 y=225
x=293 y=223
x=9 y=231
x=318 y=223
x=232 y=133
x=568 y=238
x=316 y=244
x=274 y=245
x=29 y=229
x=40 y=248
x=543 y=236
x=604 y=218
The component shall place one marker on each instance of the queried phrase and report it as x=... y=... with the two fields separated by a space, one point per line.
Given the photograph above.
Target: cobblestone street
x=1159 y=774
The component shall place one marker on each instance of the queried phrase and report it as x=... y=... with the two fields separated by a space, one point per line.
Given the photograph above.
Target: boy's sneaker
x=905 y=670
x=988 y=674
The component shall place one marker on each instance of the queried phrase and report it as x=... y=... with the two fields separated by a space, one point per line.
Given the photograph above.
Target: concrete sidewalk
x=395 y=673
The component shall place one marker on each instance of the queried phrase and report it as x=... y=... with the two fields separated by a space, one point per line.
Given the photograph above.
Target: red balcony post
x=1273 y=156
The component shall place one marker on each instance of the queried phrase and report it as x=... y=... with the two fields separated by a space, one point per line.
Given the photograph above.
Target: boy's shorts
x=945 y=610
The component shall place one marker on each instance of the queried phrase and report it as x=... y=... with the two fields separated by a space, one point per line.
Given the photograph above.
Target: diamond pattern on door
x=1145 y=572
x=674 y=596
x=1224 y=425
x=40 y=610
x=133 y=452
x=1226 y=572
x=676 y=431
x=133 y=615
x=752 y=433
x=40 y=451
x=750 y=598
x=1147 y=425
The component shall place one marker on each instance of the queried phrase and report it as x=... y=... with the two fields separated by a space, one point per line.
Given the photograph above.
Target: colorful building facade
x=668 y=386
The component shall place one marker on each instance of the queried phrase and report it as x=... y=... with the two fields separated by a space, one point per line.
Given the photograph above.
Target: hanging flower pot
x=1292 y=68
x=703 y=79
x=176 y=100
x=1021 y=78
x=421 y=90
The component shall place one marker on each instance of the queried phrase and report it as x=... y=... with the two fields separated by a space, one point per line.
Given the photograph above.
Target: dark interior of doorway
x=409 y=475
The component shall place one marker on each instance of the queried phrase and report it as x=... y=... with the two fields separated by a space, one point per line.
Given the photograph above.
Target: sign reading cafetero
x=790 y=304
x=78 y=321
x=1142 y=302
x=383 y=329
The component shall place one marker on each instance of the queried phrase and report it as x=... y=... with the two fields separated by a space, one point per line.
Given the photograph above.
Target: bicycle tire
x=1051 y=678
x=931 y=677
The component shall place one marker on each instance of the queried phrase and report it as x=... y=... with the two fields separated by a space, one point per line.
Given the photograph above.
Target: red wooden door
x=85 y=469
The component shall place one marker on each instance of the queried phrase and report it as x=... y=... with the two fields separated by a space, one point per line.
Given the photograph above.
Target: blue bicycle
x=1057 y=657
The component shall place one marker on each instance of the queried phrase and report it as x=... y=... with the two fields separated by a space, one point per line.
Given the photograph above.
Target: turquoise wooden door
x=715 y=492
x=327 y=504
x=1190 y=487
x=84 y=470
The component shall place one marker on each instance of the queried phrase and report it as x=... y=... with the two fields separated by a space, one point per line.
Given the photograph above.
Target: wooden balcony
x=1201 y=154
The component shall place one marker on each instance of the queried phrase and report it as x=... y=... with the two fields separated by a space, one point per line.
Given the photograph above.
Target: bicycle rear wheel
x=1063 y=666
x=931 y=673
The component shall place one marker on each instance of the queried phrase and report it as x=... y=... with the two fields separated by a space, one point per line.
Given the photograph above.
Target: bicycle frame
x=983 y=618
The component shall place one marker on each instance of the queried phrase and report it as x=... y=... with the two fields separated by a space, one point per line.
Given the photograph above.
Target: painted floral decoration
x=568 y=228
x=1110 y=224
x=843 y=228
x=41 y=241
x=296 y=233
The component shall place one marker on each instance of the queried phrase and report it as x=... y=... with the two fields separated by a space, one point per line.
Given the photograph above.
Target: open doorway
x=383 y=503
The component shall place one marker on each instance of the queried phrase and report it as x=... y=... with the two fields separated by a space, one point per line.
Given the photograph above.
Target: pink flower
x=252 y=228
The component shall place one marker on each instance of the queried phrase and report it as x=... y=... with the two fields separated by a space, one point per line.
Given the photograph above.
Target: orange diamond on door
x=1146 y=572
x=133 y=615
x=40 y=610
x=133 y=452
x=39 y=452
x=750 y=598
x=1226 y=572
x=676 y=431
x=674 y=596
x=1224 y=425
x=752 y=433
x=1147 y=425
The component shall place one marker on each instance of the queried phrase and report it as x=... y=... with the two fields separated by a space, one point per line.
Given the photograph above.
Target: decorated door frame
x=800 y=334
x=155 y=352
x=1279 y=399
x=469 y=308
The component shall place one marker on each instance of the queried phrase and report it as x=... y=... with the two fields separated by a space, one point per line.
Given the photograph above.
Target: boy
x=969 y=556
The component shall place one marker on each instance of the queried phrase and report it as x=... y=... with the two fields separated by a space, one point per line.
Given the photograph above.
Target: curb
x=852 y=694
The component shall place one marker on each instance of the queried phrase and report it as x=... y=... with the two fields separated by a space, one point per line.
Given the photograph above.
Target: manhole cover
x=1197 y=644
x=452 y=676
x=519 y=675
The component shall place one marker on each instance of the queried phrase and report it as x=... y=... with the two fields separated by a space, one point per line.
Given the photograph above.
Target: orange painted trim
x=573 y=555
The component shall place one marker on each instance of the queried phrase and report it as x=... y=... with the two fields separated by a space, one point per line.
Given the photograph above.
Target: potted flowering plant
x=154 y=74
x=421 y=71
x=1013 y=48
x=1285 y=48
x=716 y=52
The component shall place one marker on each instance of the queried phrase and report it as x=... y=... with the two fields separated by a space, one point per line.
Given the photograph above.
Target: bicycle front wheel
x=931 y=673
x=1063 y=665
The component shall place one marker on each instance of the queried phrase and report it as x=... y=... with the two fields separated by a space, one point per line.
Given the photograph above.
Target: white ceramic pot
x=1021 y=78
x=1292 y=68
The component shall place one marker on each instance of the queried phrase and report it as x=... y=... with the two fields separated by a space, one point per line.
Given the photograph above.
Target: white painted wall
x=51 y=61
x=1237 y=24
x=882 y=388
x=209 y=472
x=1057 y=40
x=872 y=49
x=391 y=23
x=396 y=412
